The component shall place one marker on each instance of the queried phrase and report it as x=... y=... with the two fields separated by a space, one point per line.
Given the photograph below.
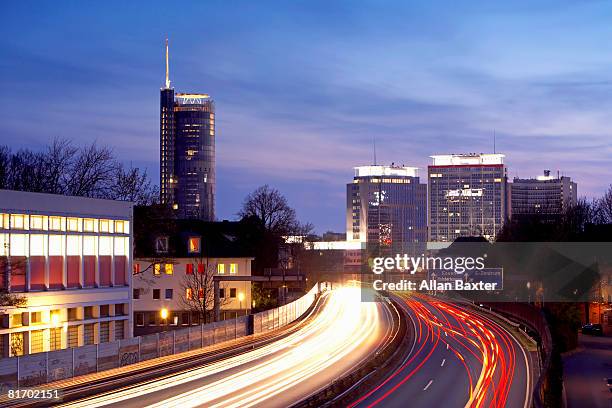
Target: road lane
x=460 y=357
x=344 y=333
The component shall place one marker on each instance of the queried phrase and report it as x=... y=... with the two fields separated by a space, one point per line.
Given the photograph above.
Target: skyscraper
x=467 y=196
x=544 y=196
x=187 y=152
x=386 y=206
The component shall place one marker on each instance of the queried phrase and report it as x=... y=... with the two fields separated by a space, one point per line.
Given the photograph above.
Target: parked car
x=593 y=329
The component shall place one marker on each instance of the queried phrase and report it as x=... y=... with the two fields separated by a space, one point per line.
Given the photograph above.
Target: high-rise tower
x=187 y=152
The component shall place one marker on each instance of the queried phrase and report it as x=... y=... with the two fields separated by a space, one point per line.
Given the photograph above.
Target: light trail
x=481 y=346
x=346 y=328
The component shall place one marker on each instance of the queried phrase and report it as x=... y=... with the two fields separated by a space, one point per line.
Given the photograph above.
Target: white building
x=70 y=258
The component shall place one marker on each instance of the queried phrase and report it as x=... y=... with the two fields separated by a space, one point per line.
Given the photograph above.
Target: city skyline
x=442 y=81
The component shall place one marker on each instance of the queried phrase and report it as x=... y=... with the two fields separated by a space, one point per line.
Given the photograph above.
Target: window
x=161 y=245
x=36 y=222
x=233 y=268
x=169 y=269
x=222 y=293
x=18 y=221
x=88 y=334
x=139 y=319
x=16 y=344
x=156 y=294
x=72 y=224
x=36 y=341
x=119 y=227
x=152 y=320
x=88 y=312
x=88 y=225
x=35 y=317
x=157 y=269
x=136 y=293
x=193 y=245
x=189 y=294
x=232 y=292
x=201 y=268
x=55 y=339
x=185 y=318
x=55 y=223
x=168 y=293
x=119 y=330
x=189 y=269
x=104 y=310
x=136 y=268
x=72 y=314
x=119 y=309
x=104 y=332
x=4 y=221
x=16 y=320
x=73 y=336
x=105 y=226
x=221 y=269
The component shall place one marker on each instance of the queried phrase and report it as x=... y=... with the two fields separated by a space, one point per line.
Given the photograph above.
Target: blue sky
x=303 y=87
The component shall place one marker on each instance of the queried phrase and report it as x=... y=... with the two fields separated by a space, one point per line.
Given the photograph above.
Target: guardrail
x=45 y=367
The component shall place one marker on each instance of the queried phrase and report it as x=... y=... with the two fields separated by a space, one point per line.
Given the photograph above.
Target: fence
x=41 y=368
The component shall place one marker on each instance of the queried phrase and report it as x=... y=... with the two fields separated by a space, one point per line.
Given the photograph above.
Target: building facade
x=175 y=267
x=386 y=206
x=187 y=152
x=467 y=196
x=544 y=196
x=70 y=259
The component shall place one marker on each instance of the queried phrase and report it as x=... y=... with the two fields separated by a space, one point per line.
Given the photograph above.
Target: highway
x=458 y=358
x=344 y=333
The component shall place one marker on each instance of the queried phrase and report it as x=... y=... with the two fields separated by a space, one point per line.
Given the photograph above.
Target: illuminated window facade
x=467 y=196
x=387 y=206
x=64 y=254
x=187 y=154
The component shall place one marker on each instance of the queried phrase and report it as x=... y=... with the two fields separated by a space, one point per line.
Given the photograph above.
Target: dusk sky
x=302 y=88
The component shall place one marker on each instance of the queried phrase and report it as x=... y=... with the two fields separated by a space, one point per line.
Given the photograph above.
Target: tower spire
x=167 y=67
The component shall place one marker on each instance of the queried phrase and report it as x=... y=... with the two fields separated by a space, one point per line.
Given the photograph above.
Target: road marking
x=447 y=346
x=446 y=333
x=443 y=361
x=427 y=386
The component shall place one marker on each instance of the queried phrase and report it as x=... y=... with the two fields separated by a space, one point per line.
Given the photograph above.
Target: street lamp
x=164 y=313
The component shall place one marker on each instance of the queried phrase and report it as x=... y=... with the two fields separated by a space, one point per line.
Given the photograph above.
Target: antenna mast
x=167 y=67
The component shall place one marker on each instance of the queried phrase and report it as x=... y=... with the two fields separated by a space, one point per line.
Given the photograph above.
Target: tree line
x=63 y=168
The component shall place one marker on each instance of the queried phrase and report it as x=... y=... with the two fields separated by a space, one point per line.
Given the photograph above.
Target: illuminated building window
x=37 y=245
x=89 y=225
x=105 y=226
x=136 y=268
x=189 y=269
x=120 y=227
x=19 y=221
x=105 y=246
x=37 y=222
x=194 y=245
x=233 y=268
x=157 y=269
x=36 y=341
x=188 y=293
x=4 y=221
x=89 y=246
x=221 y=269
x=18 y=245
x=72 y=224
x=169 y=269
x=35 y=317
x=55 y=223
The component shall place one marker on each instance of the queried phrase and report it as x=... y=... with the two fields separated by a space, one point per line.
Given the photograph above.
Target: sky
x=303 y=88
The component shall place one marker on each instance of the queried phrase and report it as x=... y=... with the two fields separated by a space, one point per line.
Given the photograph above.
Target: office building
x=467 y=196
x=70 y=258
x=386 y=206
x=545 y=196
x=187 y=152
x=175 y=265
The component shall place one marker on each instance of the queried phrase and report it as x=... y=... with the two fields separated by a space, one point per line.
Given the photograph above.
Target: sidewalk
x=585 y=371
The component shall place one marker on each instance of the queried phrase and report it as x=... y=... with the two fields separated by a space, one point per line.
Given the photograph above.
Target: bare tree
x=93 y=168
x=604 y=207
x=133 y=185
x=197 y=290
x=273 y=211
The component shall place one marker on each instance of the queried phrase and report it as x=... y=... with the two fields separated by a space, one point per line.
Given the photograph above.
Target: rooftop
x=403 y=171
x=463 y=159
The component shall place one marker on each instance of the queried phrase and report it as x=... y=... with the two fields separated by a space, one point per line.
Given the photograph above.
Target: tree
x=197 y=290
x=273 y=211
x=91 y=171
x=604 y=207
